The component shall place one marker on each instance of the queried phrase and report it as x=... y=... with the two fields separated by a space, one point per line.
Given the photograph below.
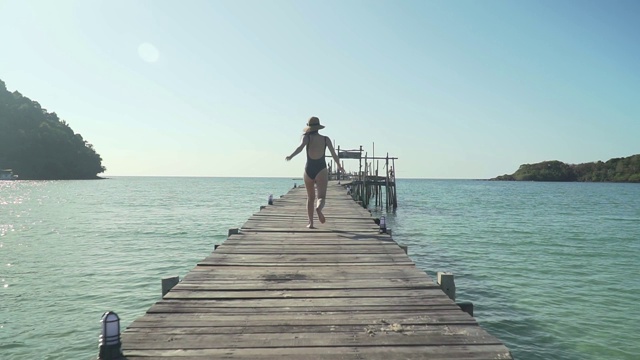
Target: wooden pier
x=277 y=290
x=370 y=181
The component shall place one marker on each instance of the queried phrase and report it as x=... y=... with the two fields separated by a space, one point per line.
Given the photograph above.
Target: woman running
x=315 y=171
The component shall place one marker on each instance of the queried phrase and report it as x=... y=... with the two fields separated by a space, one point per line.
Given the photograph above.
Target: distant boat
x=7 y=174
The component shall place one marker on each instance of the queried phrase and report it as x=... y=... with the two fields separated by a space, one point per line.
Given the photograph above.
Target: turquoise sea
x=552 y=268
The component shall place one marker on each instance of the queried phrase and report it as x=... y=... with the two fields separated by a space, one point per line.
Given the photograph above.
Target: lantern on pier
x=383 y=225
x=110 y=345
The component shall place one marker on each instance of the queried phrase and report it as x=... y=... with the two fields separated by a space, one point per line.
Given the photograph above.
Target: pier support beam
x=168 y=283
x=447 y=284
x=233 y=231
x=466 y=306
x=405 y=248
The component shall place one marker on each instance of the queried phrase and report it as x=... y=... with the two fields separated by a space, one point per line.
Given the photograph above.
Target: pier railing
x=369 y=182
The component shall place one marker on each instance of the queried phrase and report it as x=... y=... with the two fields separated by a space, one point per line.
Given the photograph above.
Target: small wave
x=629 y=219
x=13 y=345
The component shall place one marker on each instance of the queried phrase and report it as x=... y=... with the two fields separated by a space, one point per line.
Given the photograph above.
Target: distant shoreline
x=617 y=170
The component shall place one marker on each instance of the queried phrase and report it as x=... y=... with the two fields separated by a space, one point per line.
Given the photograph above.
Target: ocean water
x=552 y=268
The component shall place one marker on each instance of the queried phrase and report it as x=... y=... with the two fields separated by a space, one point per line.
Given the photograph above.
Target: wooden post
x=386 y=182
x=168 y=283
x=215 y=247
x=393 y=179
x=405 y=248
x=466 y=306
x=359 y=173
x=338 y=172
x=233 y=231
x=365 y=186
x=263 y=207
x=447 y=284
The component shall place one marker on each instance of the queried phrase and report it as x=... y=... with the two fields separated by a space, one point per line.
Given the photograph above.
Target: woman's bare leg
x=309 y=184
x=322 y=180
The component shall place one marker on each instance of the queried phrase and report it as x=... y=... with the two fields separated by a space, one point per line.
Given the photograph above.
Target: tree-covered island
x=614 y=170
x=37 y=145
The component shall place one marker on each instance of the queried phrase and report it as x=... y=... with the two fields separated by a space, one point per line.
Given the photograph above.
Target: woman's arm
x=303 y=143
x=333 y=153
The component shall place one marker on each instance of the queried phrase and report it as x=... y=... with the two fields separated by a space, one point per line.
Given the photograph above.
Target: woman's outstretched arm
x=333 y=154
x=303 y=143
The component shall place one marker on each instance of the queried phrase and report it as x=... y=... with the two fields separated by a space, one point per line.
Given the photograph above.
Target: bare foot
x=320 y=216
x=319 y=211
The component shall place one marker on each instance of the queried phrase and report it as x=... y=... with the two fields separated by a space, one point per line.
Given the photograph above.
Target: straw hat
x=313 y=125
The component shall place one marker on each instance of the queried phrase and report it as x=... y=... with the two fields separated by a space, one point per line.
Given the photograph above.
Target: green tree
x=614 y=170
x=37 y=144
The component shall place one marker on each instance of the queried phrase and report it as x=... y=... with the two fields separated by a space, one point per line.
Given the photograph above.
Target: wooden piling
x=405 y=248
x=447 y=284
x=168 y=283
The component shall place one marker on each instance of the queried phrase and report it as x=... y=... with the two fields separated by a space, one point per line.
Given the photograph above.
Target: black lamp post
x=110 y=337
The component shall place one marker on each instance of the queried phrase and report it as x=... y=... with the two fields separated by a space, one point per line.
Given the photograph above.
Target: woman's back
x=316 y=146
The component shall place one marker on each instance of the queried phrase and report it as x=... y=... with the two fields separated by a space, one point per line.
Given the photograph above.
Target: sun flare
x=148 y=52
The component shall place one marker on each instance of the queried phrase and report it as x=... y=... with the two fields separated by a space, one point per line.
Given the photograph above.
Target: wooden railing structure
x=369 y=182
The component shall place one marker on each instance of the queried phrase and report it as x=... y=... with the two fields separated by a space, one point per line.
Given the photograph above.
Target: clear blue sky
x=455 y=89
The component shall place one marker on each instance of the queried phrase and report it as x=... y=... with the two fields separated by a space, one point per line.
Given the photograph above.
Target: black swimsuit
x=314 y=166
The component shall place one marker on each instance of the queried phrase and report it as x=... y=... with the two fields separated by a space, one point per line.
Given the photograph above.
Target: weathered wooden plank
x=285 y=284
x=301 y=212
x=335 y=208
x=298 y=264
x=346 y=217
x=363 y=257
x=382 y=309
x=353 y=303
x=207 y=319
x=357 y=271
x=312 y=241
x=312 y=250
x=291 y=293
x=274 y=286
x=301 y=228
x=217 y=274
x=323 y=258
x=301 y=282
x=311 y=234
x=333 y=216
x=392 y=334
x=275 y=329
x=264 y=273
x=451 y=352
x=315 y=240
